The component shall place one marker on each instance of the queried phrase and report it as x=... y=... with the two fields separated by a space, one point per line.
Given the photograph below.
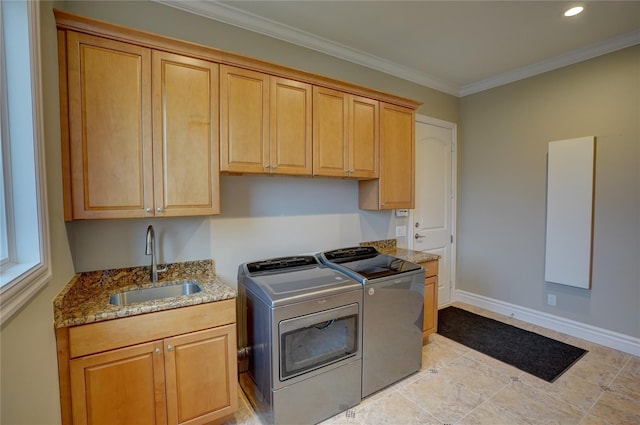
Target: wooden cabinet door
x=110 y=153
x=345 y=134
x=364 y=146
x=397 y=174
x=185 y=149
x=201 y=375
x=430 y=305
x=430 y=324
x=290 y=135
x=124 y=386
x=395 y=186
x=330 y=132
x=244 y=120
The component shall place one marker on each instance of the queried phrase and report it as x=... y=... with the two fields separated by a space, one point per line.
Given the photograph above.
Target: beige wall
x=28 y=364
x=261 y=217
x=502 y=189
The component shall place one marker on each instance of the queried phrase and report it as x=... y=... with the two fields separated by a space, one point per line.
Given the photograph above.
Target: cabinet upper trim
x=70 y=21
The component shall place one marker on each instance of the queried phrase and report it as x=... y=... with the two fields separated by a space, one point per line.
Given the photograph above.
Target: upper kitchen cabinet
x=185 y=149
x=265 y=123
x=109 y=146
x=395 y=187
x=345 y=134
x=148 y=123
x=139 y=130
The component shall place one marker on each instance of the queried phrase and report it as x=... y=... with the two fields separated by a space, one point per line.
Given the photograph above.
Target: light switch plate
x=401 y=231
x=402 y=213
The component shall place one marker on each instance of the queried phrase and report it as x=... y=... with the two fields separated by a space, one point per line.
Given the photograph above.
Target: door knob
x=418 y=236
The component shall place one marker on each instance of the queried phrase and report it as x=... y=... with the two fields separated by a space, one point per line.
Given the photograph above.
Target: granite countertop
x=389 y=246
x=85 y=299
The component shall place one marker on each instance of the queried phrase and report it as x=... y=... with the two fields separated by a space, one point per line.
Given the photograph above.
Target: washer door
x=316 y=340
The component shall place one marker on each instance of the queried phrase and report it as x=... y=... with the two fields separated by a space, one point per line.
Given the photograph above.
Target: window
x=24 y=235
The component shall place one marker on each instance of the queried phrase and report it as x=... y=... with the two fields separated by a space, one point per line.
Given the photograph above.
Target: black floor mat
x=530 y=352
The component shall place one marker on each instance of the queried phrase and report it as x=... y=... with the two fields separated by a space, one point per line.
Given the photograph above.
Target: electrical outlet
x=401 y=231
x=551 y=299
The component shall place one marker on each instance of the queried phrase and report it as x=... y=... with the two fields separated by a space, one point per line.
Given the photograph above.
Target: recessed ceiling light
x=574 y=11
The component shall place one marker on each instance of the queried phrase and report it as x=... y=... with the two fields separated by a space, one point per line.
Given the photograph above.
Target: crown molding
x=233 y=16
x=239 y=18
x=589 y=52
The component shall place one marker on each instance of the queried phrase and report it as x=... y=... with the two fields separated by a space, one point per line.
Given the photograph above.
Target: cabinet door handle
x=159 y=209
x=169 y=347
x=148 y=210
x=157 y=351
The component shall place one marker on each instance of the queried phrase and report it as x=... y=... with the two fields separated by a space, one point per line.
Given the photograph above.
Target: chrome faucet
x=151 y=250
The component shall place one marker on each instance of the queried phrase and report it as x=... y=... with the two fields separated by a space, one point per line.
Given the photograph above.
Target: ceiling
x=458 y=47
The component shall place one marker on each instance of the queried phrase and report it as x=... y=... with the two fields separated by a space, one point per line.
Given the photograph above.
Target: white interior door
x=434 y=215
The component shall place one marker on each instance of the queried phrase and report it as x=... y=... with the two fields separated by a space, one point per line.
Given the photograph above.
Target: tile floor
x=457 y=385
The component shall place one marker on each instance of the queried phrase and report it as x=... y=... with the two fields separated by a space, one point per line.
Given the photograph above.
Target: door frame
x=454 y=193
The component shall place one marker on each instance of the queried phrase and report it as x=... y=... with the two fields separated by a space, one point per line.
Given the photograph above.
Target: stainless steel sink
x=155 y=293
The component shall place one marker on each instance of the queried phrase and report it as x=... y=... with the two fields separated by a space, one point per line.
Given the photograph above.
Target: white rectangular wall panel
x=570 y=175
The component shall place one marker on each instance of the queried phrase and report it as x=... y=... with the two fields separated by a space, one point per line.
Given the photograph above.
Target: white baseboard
x=618 y=341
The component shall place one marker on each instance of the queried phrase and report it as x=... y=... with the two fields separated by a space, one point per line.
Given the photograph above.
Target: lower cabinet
x=120 y=386
x=430 y=324
x=201 y=375
x=189 y=378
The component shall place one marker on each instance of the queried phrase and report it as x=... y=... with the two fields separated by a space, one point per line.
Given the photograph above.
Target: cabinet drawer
x=431 y=268
x=112 y=334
